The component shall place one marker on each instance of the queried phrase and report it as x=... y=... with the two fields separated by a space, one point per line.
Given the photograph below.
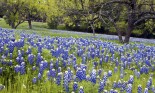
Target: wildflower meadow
x=31 y=63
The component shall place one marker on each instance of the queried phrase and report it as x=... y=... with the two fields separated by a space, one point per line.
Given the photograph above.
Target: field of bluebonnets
x=31 y=63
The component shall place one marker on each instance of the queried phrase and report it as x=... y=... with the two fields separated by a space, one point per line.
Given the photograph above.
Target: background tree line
x=122 y=17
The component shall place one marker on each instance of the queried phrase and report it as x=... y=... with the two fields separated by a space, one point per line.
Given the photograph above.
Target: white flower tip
x=81 y=87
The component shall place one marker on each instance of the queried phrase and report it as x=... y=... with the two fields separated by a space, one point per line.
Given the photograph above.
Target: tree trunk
x=92 y=27
x=128 y=33
x=13 y=25
x=119 y=33
x=30 y=24
x=131 y=18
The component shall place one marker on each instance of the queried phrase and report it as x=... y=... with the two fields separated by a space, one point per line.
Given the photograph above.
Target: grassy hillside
x=35 y=25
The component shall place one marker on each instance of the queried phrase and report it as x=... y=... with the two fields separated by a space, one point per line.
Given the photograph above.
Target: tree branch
x=115 y=1
x=143 y=18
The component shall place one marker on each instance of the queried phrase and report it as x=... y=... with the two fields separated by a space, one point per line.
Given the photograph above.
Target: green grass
x=40 y=28
x=3 y=24
x=35 y=25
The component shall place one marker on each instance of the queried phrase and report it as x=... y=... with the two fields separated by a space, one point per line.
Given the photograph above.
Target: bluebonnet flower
x=79 y=74
x=105 y=77
x=51 y=66
x=70 y=74
x=124 y=84
x=129 y=88
x=115 y=84
x=148 y=63
x=53 y=73
x=109 y=73
x=39 y=76
x=64 y=63
x=122 y=70
x=59 y=70
x=74 y=61
x=115 y=91
x=41 y=69
x=83 y=66
x=139 y=90
x=58 y=79
x=153 y=68
x=75 y=86
x=84 y=74
x=112 y=58
x=11 y=47
x=95 y=64
x=116 y=62
x=10 y=63
x=101 y=87
x=22 y=52
x=31 y=58
x=45 y=63
x=38 y=59
x=6 y=52
x=1 y=49
x=150 y=79
x=39 y=48
x=57 y=64
x=153 y=89
x=18 y=60
x=146 y=90
x=66 y=81
x=125 y=64
x=93 y=55
x=99 y=72
x=34 y=68
x=11 y=56
x=106 y=58
x=83 y=60
x=111 y=91
x=131 y=79
x=144 y=69
x=29 y=50
x=119 y=84
x=121 y=76
x=138 y=74
x=93 y=76
x=17 y=68
x=34 y=80
x=21 y=60
x=81 y=90
x=149 y=83
x=101 y=61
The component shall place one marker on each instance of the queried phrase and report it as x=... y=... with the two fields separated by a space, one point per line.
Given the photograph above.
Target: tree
x=18 y=11
x=14 y=15
x=33 y=10
x=136 y=12
x=81 y=12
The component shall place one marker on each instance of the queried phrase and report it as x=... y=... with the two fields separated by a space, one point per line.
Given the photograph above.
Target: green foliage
x=61 y=27
x=53 y=23
x=137 y=32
